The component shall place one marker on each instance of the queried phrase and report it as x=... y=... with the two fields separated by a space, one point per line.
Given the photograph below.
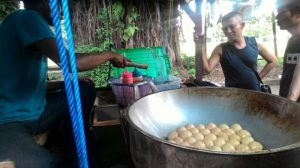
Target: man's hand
x=118 y=60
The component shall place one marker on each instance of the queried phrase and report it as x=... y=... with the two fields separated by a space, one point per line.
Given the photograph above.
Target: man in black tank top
x=288 y=18
x=238 y=56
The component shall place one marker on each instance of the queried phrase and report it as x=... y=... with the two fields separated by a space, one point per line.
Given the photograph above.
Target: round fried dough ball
x=199 y=145
x=181 y=129
x=210 y=136
x=184 y=134
x=216 y=130
x=229 y=131
x=234 y=142
x=172 y=141
x=235 y=136
x=228 y=147
x=236 y=127
x=243 y=133
x=223 y=135
x=255 y=146
x=217 y=138
x=200 y=126
x=190 y=140
x=246 y=140
x=219 y=142
x=242 y=148
x=178 y=140
x=189 y=126
x=215 y=148
x=198 y=136
x=204 y=131
x=210 y=125
x=223 y=126
x=208 y=143
x=194 y=130
x=172 y=135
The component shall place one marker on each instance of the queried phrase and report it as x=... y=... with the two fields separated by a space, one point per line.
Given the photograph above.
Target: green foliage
x=98 y=75
x=279 y=62
x=6 y=8
x=131 y=28
x=88 y=48
x=188 y=63
x=259 y=27
x=112 y=23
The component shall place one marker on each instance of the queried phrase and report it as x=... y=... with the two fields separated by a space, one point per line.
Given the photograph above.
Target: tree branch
x=185 y=6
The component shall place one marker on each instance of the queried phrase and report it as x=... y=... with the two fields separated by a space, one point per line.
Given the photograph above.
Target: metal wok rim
x=263 y=152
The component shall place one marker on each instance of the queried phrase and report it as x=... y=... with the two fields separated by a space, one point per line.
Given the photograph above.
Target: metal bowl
x=272 y=121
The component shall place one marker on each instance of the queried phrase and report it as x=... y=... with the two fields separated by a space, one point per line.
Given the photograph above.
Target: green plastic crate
x=163 y=54
x=156 y=58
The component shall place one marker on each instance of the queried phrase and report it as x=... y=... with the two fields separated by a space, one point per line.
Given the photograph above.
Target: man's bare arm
x=210 y=64
x=294 y=91
x=269 y=57
x=84 y=61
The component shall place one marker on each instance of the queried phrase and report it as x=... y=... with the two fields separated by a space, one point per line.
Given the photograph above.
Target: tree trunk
x=153 y=23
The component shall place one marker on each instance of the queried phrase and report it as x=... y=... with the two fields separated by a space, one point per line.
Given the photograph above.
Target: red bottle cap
x=127 y=74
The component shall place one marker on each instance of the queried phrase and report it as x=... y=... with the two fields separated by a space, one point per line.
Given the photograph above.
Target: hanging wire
x=70 y=80
x=109 y=17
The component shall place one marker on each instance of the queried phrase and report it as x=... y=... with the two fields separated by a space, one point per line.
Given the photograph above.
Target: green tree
x=6 y=8
x=112 y=25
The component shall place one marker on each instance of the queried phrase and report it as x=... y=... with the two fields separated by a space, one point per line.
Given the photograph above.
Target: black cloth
x=291 y=58
x=237 y=65
x=61 y=136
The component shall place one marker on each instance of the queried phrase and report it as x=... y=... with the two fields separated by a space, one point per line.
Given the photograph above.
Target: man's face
x=232 y=28
x=286 y=20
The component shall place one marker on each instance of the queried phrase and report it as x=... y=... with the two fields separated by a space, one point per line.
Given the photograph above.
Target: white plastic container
x=173 y=83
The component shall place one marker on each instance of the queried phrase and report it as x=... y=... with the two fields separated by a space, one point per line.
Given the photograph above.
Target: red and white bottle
x=127 y=77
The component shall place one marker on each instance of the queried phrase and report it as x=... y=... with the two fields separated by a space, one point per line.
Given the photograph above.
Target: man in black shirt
x=238 y=56
x=288 y=18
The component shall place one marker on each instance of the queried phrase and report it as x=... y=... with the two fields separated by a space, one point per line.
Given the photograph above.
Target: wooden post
x=274 y=34
x=199 y=39
x=198 y=35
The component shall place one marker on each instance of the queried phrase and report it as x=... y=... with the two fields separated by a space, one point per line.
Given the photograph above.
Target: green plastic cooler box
x=155 y=57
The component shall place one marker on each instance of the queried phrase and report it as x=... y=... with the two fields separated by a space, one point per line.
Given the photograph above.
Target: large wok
x=272 y=120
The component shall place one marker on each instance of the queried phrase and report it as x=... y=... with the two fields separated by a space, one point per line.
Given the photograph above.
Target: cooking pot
x=272 y=121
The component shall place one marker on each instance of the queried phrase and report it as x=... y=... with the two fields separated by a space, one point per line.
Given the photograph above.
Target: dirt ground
x=217 y=74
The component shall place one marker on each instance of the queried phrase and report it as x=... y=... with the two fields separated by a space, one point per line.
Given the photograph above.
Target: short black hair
x=294 y=9
x=231 y=15
x=292 y=5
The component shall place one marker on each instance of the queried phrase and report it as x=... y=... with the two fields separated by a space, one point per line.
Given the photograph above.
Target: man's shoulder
x=295 y=39
x=22 y=12
x=27 y=14
x=250 y=38
x=19 y=15
x=222 y=45
x=218 y=48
